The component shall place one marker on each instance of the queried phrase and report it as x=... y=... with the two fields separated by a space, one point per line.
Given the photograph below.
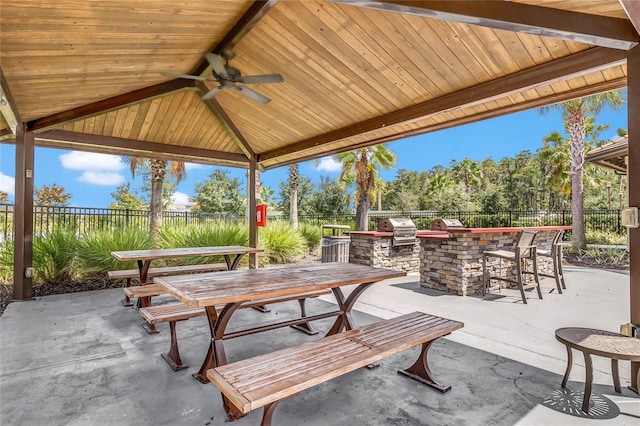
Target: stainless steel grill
x=445 y=224
x=404 y=230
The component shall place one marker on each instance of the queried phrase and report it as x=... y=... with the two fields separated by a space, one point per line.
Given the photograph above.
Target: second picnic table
x=232 y=256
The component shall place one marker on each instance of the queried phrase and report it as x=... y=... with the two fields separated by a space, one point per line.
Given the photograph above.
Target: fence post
x=126 y=218
x=510 y=218
x=563 y=222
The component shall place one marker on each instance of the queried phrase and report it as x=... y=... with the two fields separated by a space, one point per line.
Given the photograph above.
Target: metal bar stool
x=525 y=250
x=556 y=255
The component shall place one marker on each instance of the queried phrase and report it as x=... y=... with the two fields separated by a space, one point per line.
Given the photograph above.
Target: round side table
x=602 y=343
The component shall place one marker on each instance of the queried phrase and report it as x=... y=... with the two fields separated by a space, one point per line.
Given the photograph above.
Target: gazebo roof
x=88 y=75
x=612 y=155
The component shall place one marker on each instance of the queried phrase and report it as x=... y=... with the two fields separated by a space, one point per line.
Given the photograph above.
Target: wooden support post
x=633 y=179
x=23 y=215
x=253 y=228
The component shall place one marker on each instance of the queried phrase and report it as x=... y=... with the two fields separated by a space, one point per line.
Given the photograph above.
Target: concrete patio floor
x=83 y=359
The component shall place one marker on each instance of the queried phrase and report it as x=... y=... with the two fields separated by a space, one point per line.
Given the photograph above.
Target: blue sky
x=91 y=178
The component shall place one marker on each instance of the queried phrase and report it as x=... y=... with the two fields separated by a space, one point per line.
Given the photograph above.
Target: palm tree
x=554 y=158
x=574 y=114
x=158 y=170
x=360 y=166
x=469 y=171
x=294 y=178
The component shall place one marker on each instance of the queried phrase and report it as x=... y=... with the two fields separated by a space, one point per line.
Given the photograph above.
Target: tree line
x=555 y=177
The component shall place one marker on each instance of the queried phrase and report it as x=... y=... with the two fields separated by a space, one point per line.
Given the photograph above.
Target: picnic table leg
x=421 y=372
x=217 y=324
x=305 y=327
x=143 y=270
x=232 y=264
x=345 y=320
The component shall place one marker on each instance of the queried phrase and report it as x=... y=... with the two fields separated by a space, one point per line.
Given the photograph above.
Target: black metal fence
x=595 y=220
x=86 y=219
x=82 y=220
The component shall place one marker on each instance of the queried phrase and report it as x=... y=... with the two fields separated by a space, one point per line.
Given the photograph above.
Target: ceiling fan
x=229 y=77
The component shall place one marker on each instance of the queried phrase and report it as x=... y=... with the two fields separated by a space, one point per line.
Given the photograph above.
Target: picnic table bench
x=141 y=292
x=265 y=380
x=173 y=312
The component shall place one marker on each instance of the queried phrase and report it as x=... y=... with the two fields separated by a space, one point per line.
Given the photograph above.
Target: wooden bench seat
x=173 y=312
x=265 y=380
x=134 y=274
x=166 y=270
x=148 y=290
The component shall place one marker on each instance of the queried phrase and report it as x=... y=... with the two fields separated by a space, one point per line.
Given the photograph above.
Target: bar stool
x=525 y=249
x=556 y=255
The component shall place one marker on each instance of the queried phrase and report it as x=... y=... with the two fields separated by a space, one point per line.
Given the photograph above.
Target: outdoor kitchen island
x=454 y=264
x=383 y=250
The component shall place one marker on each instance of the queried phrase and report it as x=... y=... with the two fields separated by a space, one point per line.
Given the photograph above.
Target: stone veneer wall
x=455 y=265
x=378 y=251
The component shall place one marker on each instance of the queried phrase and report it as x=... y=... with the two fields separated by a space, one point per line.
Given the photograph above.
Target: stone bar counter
x=454 y=264
x=373 y=248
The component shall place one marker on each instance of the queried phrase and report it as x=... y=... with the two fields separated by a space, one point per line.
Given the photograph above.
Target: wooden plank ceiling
x=87 y=75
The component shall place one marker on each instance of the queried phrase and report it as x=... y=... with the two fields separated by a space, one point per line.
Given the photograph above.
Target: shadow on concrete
x=83 y=359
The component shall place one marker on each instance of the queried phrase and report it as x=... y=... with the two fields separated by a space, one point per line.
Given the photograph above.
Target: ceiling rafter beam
x=632 y=8
x=510 y=109
x=580 y=63
x=596 y=30
x=8 y=106
x=250 y=19
x=228 y=124
x=6 y=134
x=123 y=146
x=110 y=104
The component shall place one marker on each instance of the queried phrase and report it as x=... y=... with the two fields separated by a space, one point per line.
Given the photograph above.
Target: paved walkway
x=83 y=359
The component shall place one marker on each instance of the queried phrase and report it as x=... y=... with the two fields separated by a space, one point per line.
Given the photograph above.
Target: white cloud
x=328 y=164
x=101 y=178
x=192 y=166
x=7 y=184
x=76 y=160
x=180 y=198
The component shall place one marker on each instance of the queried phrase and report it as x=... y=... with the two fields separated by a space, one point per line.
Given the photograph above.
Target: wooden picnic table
x=232 y=288
x=232 y=256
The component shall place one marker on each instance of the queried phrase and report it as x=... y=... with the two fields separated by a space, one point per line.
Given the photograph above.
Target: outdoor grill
x=403 y=228
x=446 y=224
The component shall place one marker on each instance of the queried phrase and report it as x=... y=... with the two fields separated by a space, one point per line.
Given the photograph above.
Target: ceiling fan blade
x=253 y=94
x=191 y=77
x=267 y=78
x=211 y=93
x=217 y=65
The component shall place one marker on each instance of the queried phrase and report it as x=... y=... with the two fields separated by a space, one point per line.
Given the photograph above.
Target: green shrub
x=600 y=255
x=219 y=234
x=54 y=256
x=604 y=237
x=312 y=234
x=94 y=249
x=280 y=242
x=6 y=261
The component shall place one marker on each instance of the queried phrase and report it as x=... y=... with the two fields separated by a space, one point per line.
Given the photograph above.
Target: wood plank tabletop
x=183 y=252
x=199 y=290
